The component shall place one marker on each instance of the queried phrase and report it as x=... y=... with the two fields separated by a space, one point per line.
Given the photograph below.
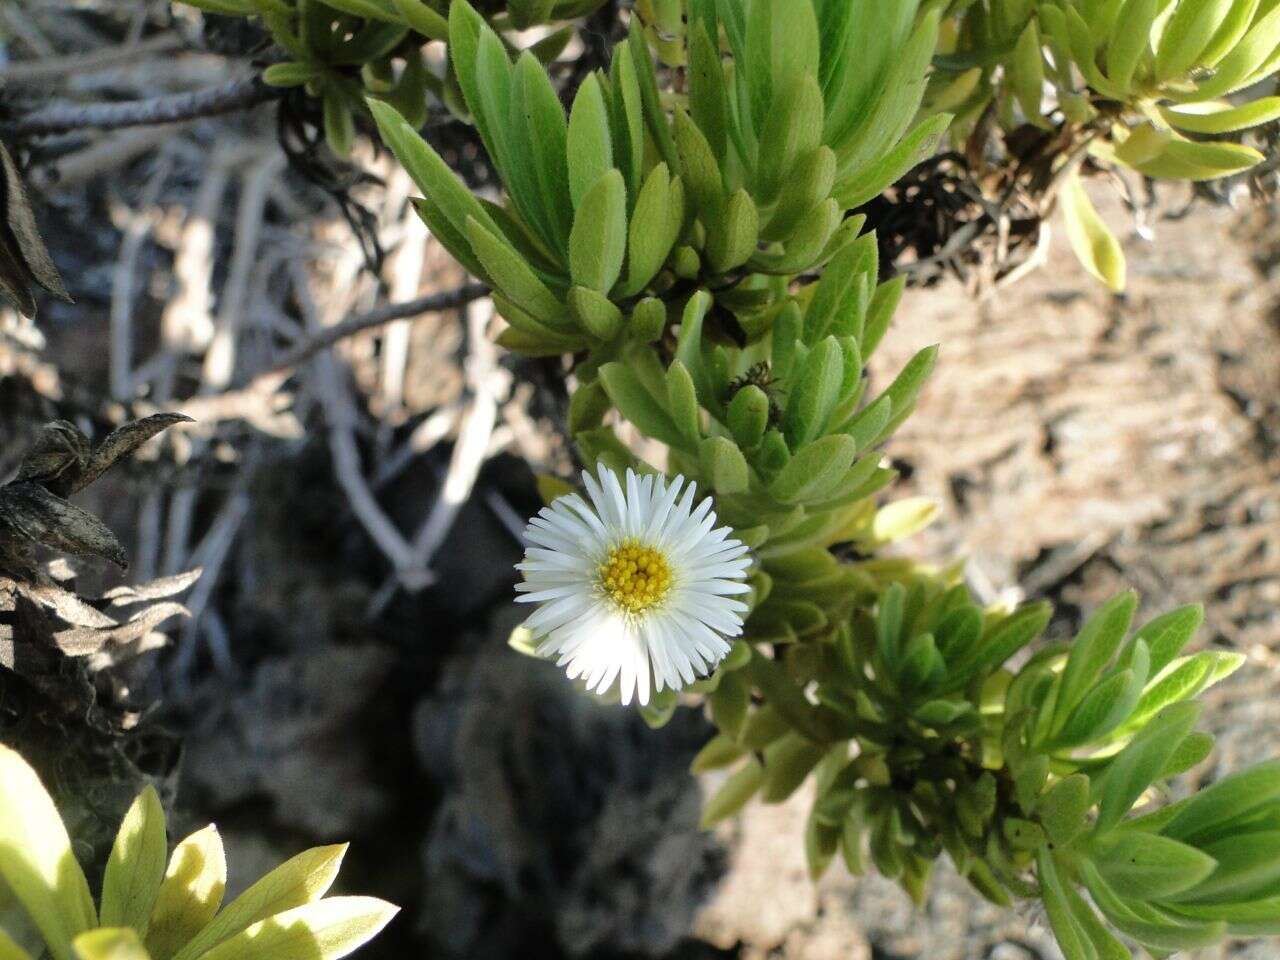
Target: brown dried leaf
x=69 y=608
x=121 y=442
x=120 y=653
x=82 y=641
x=21 y=235
x=59 y=455
x=127 y=595
x=14 y=285
x=44 y=518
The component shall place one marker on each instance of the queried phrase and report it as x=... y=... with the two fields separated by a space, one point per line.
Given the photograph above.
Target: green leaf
x=1094 y=244
x=1248 y=867
x=1151 y=866
x=808 y=184
x=1187 y=34
x=655 y=115
x=730 y=701
x=720 y=751
x=431 y=174
x=682 y=402
x=884 y=302
x=511 y=274
x=290 y=74
x=1230 y=798
x=423 y=19
x=820 y=844
x=109 y=943
x=1140 y=763
x=1103 y=709
x=135 y=869
x=836 y=293
x=872 y=180
x=638 y=405
x=902 y=519
x=650 y=233
x=689 y=345
x=1168 y=633
x=748 y=415
x=1130 y=39
x=190 y=894
x=302 y=880
x=733 y=794
x=813 y=392
x=648 y=320
x=36 y=859
x=1063 y=808
x=626 y=116
x=597 y=314
x=1217 y=118
x=1191 y=160
x=598 y=242
x=1093 y=648
x=699 y=168
x=889 y=624
x=814 y=470
x=536 y=107
x=733 y=230
x=868 y=425
x=1012 y=634
x=708 y=98
x=9 y=949
x=724 y=465
x=1191 y=752
x=1026 y=72
x=1154 y=929
x=324 y=930
x=906 y=387
x=1187 y=678
x=589 y=144
x=1104 y=942
x=792 y=129
x=1248 y=60
x=880 y=127
x=787 y=761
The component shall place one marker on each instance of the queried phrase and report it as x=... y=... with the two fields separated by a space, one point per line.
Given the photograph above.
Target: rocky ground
x=1077 y=442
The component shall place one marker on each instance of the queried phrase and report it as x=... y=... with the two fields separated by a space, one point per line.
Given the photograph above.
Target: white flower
x=633 y=583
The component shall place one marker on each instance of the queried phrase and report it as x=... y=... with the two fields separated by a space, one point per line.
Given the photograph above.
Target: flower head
x=636 y=585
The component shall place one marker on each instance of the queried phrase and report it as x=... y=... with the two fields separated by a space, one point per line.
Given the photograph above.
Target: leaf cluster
x=1158 y=87
x=160 y=906
x=344 y=51
x=34 y=511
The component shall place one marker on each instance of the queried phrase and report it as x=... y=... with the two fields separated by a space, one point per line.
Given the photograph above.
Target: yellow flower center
x=634 y=576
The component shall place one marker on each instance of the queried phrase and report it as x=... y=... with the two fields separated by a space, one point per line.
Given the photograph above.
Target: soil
x=1077 y=442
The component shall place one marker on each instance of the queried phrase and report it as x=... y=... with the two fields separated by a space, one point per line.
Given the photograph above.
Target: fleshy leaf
x=324 y=930
x=36 y=859
x=190 y=894
x=136 y=868
x=301 y=880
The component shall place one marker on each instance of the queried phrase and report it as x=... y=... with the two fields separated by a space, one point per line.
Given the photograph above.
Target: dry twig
x=234 y=95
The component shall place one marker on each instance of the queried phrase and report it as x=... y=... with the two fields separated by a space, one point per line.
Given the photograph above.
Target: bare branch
x=32 y=71
x=449 y=300
x=67 y=117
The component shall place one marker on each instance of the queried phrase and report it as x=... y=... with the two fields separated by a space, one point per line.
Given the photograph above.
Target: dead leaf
x=46 y=519
x=82 y=641
x=59 y=454
x=26 y=260
x=161 y=589
x=123 y=441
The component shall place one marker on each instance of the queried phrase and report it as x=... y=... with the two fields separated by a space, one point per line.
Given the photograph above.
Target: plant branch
x=449 y=300
x=68 y=117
